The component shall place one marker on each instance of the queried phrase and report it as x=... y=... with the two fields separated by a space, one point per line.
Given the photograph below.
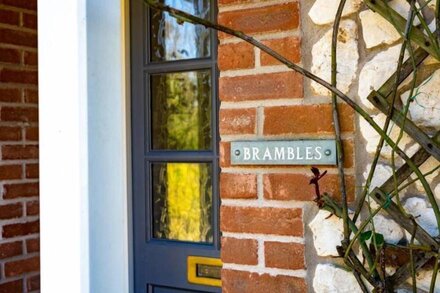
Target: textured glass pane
x=182 y=201
x=171 y=40
x=181 y=111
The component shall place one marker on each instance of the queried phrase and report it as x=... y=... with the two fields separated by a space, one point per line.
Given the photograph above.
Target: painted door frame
x=142 y=152
x=84 y=146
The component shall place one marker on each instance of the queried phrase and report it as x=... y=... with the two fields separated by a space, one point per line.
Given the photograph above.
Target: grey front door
x=174 y=150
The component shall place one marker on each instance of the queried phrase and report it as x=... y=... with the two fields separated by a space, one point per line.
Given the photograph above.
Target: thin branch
x=434 y=274
x=336 y=121
x=412 y=261
x=379 y=147
x=437 y=20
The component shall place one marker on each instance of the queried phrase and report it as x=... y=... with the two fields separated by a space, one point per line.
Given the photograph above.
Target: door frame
x=85 y=171
x=139 y=136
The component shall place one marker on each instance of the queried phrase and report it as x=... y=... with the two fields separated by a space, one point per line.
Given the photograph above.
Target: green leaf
x=378 y=239
x=365 y=236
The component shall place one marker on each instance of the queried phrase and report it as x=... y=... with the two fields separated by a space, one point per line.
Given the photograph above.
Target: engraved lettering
x=247 y=154
x=290 y=153
x=318 y=152
x=309 y=153
x=279 y=153
x=255 y=154
x=267 y=155
x=298 y=154
x=283 y=152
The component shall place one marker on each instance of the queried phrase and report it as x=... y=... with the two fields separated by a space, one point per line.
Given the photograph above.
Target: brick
x=11 y=211
x=11 y=191
x=238 y=121
x=8 y=172
x=11 y=249
x=277 y=221
x=33 y=245
x=246 y=282
x=19 y=76
x=284 y=255
x=31 y=96
x=18 y=152
x=302 y=119
x=238 y=185
x=25 y=4
x=33 y=283
x=13 y=37
x=289 y=48
x=11 y=56
x=19 y=267
x=12 y=287
x=239 y=251
x=33 y=208
x=30 y=58
x=10 y=95
x=285 y=85
x=10 y=133
x=21 y=229
x=9 y=17
x=30 y=21
x=236 y=56
x=296 y=186
x=32 y=133
x=19 y=114
x=264 y=19
x=225 y=154
x=32 y=171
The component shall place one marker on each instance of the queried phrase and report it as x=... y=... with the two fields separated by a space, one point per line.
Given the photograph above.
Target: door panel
x=175 y=151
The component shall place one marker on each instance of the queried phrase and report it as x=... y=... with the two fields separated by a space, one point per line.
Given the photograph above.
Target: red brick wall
x=262 y=207
x=19 y=207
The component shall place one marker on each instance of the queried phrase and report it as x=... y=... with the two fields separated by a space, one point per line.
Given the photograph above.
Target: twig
x=411 y=255
x=434 y=274
x=336 y=121
x=394 y=95
x=437 y=20
x=315 y=181
x=365 y=191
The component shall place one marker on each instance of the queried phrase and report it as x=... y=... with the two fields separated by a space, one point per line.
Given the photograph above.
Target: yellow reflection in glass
x=184 y=200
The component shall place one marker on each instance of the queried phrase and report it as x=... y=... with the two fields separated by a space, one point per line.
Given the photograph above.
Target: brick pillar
x=262 y=207
x=19 y=207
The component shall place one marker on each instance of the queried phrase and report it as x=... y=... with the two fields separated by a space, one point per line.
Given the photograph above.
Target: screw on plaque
x=328 y=152
x=237 y=152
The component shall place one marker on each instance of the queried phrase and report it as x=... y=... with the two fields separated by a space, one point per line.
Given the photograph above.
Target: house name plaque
x=284 y=152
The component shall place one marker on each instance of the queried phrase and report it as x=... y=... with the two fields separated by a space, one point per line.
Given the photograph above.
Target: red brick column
x=19 y=207
x=262 y=207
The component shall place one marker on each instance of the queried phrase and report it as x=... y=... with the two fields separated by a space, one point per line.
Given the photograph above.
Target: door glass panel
x=181 y=111
x=182 y=201
x=171 y=40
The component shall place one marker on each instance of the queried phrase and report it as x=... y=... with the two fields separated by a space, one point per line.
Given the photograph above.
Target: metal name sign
x=291 y=152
